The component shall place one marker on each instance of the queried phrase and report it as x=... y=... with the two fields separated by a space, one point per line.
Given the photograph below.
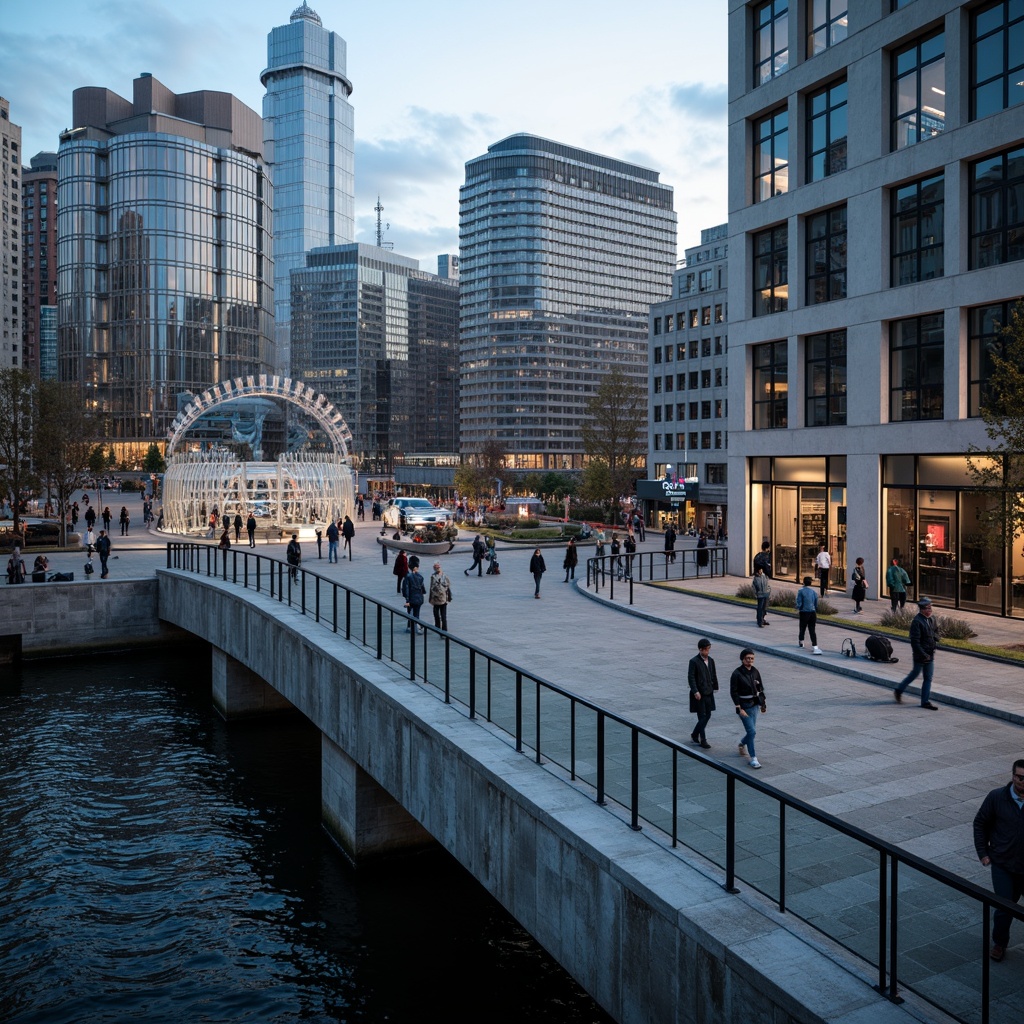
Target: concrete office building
x=39 y=265
x=164 y=267
x=309 y=143
x=876 y=245
x=11 y=354
x=688 y=392
x=379 y=337
x=562 y=254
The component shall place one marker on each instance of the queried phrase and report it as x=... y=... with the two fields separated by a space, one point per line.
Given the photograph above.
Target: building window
x=919 y=91
x=826 y=256
x=657 y=385
x=668 y=383
x=915 y=368
x=669 y=323
x=997 y=57
x=826 y=131
x=657 y=414
x=668 y=353
x=657 y=325
x=707 y=280
x=983 y=339
x=714 y=473
x=771 y=271
x=718 y=320
x=705 y=410
x=657 y=443
x=771 y=155
x=771 y=386
x=680 y=411
x=668 y=413
x=825 y=362
x=693 y=410
x=680 y=381
x=705 y=347
x=771 y=40
x=668 y=442
x=826 y=24
x=997 y=209
x=694 y=348
x=718 y=377
x=693 y=439
x=657 y=353
x=705 y=378
x=681 y=351
x=705 y=317
x=917 y=230
x=705 y=439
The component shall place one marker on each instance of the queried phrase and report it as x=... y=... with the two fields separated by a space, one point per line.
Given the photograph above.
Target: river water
x=158 y=865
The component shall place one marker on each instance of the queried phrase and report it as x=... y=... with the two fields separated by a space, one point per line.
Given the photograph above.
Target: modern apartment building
x=11 y=354
x=688 y=390
x=39 y=265
x=876 y=175
x=309 y=143
x=563 y=252
x=379 y=338
x=164 y=267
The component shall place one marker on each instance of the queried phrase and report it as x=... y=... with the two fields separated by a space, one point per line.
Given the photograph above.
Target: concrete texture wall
x=650 y=933
x=55 y=619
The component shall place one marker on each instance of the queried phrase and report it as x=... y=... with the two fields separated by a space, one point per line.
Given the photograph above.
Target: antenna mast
x=381 y=244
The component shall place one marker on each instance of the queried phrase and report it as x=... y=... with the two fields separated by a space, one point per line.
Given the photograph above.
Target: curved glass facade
x=163 y=275
x=562 y=254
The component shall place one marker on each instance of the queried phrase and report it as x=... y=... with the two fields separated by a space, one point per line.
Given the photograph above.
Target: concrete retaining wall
x=652 y=937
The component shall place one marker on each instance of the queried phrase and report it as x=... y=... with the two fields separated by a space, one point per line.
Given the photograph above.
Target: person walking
x=401 y=569
x=999 y=843
x=807 y=606
x=823 y=565
x=413 y=589
x=106 y=517
x=332 y=542
x=125 y=520
x=90 y=517
x=924 y=638
x=897 y=580
x=670 y=544
x=629 y=546
x=250 y=528
x=702 y=677
x=225 y=541
x=764 y=559
x=491 y=557
x=538 y=568
x=703 y=555
x=440 y=596
x=103 y=550
x=293 y=556
x=747 y=691
x=860 y=586
x=238 y=526
x=16 y=571
x=479 y=550
x=638 y=523
x=762 y=591
x=571 y=560
x=348 y=531
x=319 y=543
x=599 y=544
x=616 y=549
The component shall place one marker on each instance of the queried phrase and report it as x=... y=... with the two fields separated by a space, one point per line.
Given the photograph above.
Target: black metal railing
x=918 y=926
x=623 y=570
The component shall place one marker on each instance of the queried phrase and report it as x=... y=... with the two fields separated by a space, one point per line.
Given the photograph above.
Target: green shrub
x=949 y=628
x=899 y=619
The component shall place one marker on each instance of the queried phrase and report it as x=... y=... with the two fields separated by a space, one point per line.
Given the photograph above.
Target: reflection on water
x=156 y=864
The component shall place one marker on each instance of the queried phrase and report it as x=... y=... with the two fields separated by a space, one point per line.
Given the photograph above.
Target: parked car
x=408 y=513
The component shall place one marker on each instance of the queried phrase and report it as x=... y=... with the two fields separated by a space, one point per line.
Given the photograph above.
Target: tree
x=1000 y=467
x=16 y=402
x=615 y=435
x=61 y=448
x=470 y=480
x=154 y=461
x=491 y=460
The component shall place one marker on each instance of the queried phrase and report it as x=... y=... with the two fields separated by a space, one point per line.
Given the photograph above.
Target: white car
x=408 y=513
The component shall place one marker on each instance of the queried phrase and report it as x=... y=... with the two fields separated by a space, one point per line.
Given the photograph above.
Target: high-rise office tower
x=39 y=265
x=10 y=239
x=379 y=337
x=163 y=257
x=876 y=245
x=562 y=254
x=309 y=142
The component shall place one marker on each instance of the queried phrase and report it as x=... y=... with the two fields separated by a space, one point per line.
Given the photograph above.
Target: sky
x=435 y=82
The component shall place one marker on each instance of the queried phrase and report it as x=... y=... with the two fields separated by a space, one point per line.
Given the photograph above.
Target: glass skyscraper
x=309 y=142
x=163 y=260
x=379 y=337
x=562 y=254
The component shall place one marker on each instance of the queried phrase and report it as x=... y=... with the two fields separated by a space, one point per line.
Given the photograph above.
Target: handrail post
x=675 y=797
x=782 y=856
x=334 y=612
x=634 y=771
x=380 y=626
x=883 y=903
x=893 y=991
x=348 y=615
x=472 y=682
x=572 y=739
x=600 y=758
x=536 y=746
x=519 y=712
x=730 y=835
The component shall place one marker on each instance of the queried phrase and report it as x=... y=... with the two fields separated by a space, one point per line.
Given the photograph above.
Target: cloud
x=701 y=102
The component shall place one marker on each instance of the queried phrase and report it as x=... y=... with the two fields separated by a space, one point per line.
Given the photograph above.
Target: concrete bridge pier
x=360 y=814
x=238 y=692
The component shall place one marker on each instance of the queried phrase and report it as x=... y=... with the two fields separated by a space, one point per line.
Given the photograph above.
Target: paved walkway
x=833 y=735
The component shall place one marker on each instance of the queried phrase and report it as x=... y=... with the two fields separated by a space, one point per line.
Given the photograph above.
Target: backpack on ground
x=879 y=649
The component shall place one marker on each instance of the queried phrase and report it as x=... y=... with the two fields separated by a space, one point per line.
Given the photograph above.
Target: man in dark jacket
x=103 y=550
x=703 y=680
x=250 y=528
x=924 y=638
x=479 y=550
x=348 y=531
x=999 y=841
x=763 y=559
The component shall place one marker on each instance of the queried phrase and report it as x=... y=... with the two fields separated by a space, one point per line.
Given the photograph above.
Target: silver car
x=408 y=513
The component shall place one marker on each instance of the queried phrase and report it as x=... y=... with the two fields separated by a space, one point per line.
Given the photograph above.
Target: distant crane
x=381 y=244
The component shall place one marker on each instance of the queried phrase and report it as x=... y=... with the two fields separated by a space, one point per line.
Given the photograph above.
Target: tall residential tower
x=562 y=254
x=10 y=239
x=309 y=143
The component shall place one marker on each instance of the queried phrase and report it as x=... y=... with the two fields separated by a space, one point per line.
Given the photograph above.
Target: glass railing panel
x=757 y=840
x=702 y=806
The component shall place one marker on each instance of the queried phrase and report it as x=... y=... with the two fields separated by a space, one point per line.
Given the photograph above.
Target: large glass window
x=771 y=155
x=771 y=385
x=919 y=91
x=985 y=325
x=997 y=209
x=826 y=131
x=997 y=57
x=771 y=271
x=826 y=256
x=826 y=24
x=771 y=40
x=915 y=368
x=917 y=230
x=825 y=361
